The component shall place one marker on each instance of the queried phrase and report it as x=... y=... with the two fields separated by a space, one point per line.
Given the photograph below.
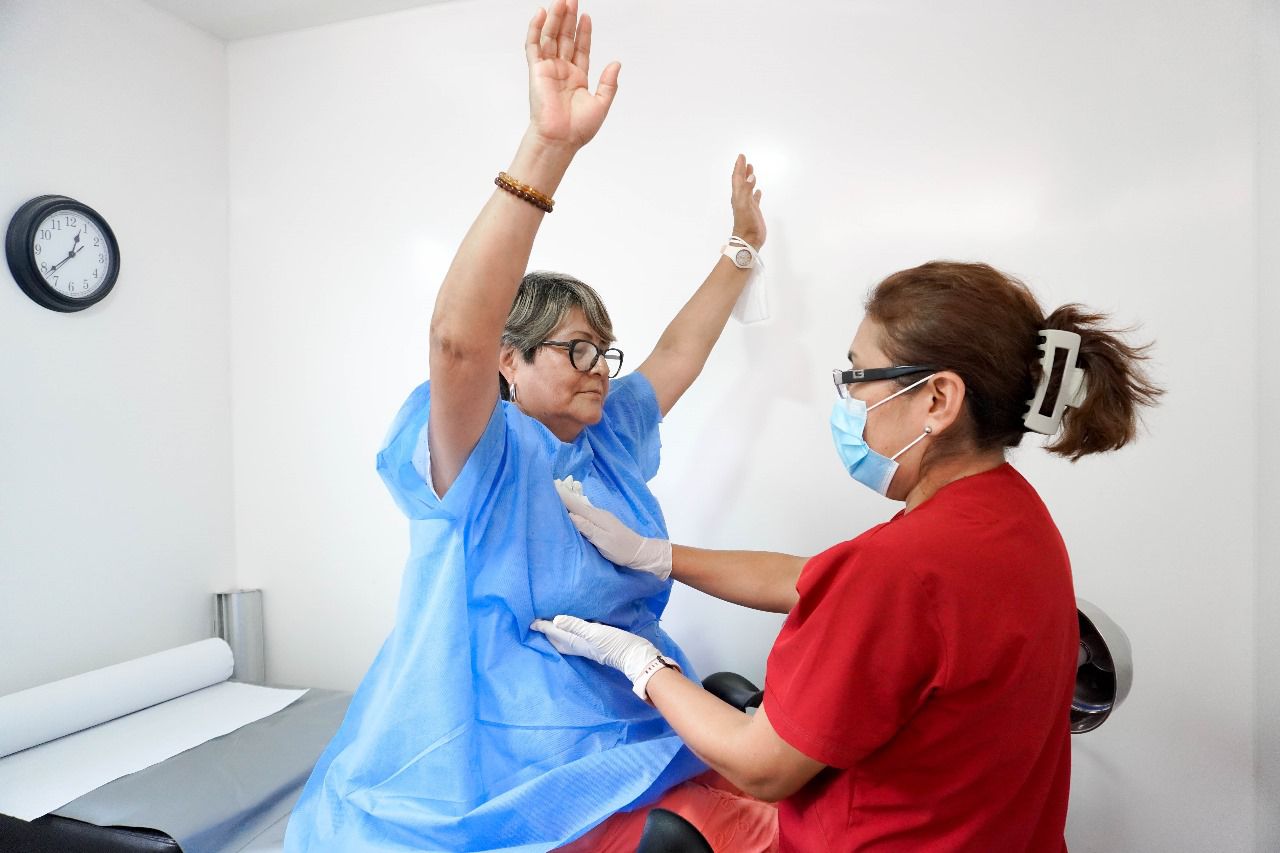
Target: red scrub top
x=930 y=664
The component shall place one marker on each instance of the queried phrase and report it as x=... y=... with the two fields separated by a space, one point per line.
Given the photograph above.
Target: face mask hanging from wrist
x=848 y=423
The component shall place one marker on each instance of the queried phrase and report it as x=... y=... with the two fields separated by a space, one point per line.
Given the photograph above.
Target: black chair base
x=667 y=832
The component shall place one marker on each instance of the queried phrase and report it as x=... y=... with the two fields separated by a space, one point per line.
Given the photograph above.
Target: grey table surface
x=233 y=793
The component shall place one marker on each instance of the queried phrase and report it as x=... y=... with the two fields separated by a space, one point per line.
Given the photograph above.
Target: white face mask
x=848 y=424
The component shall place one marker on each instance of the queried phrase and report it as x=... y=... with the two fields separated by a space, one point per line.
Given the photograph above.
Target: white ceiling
x=234 y=19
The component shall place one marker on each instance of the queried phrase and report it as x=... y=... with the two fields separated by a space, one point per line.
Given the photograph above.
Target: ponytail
x=1118 y=385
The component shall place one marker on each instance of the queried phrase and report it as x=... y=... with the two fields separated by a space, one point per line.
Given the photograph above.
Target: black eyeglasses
x=583 y=355
x=845 y=378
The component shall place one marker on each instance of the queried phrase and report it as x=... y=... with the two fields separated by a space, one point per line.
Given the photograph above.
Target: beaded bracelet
x=539 y=200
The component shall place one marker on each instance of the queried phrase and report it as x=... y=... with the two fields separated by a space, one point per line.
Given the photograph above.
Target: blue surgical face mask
x=848 y=423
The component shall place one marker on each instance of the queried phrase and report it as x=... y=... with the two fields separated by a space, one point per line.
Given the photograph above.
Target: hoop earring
x=513 y=392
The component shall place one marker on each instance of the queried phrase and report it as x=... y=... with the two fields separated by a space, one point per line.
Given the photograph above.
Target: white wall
x=1268 y=599
x=1104 y=152
x=115 y=442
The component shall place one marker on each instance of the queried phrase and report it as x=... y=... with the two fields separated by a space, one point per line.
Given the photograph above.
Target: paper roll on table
x=238 y=620
x=62 y=740
x=40 y=714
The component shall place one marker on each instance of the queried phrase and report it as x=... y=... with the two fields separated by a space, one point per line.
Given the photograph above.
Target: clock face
x=72 y=253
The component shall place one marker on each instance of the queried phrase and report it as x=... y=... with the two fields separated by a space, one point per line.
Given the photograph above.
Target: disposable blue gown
x=470 y=732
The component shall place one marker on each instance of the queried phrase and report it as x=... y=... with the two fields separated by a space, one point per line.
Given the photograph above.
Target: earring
x=513 y=392
x=928 y=430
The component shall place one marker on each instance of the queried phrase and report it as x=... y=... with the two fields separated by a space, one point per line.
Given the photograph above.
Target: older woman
x=917 y=697
x=464 y=736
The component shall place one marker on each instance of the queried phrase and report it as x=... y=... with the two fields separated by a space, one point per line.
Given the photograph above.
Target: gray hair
x=542 y=301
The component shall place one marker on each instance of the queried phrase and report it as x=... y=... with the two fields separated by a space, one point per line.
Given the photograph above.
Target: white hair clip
x=1045 y=416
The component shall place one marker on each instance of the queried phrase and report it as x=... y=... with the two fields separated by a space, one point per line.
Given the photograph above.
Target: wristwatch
x=641 y=684
x=740 y=252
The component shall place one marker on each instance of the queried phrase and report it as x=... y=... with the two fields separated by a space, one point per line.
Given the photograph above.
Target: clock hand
x=69 y=256
x=71 y=253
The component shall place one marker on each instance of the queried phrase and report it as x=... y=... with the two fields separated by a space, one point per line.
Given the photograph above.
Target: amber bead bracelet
x=539 y=200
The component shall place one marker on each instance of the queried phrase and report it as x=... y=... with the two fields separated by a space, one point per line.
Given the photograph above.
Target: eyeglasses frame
x=568 y=348
x=844 y=378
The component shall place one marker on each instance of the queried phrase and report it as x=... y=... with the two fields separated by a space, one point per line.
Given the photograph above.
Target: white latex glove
x=618 y=543
x=622 y=650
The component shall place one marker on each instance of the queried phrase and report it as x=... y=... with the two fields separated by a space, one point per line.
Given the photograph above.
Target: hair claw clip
x=1044 y=416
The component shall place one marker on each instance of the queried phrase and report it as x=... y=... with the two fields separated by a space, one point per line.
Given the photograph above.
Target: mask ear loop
x=927 y=431
x=902 y=391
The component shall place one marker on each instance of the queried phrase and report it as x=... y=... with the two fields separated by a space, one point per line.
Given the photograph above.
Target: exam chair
x=1104 y=674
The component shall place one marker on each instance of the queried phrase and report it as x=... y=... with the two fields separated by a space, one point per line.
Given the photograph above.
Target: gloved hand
x=617 y=542
x=614 y=647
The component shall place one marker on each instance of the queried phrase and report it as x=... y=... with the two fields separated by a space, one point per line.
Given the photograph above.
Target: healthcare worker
x=463 y=736
x=917 y=696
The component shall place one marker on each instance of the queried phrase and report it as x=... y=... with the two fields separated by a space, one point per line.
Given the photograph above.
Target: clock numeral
x=55 y=280
x=56 y=225
x=44 y=267
x=71 y=220
x=38 y=249
x=97 y=242
x=46 y=234
x=95 y=273
x=102 y=258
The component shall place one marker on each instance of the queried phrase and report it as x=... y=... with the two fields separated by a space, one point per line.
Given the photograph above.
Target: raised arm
x=683 y=348
x=471 y=307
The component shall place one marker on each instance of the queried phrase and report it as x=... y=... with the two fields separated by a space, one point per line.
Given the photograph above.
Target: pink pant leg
x=731 y=821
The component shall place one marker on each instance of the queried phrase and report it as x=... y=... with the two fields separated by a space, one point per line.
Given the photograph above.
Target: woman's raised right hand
x=562 y=111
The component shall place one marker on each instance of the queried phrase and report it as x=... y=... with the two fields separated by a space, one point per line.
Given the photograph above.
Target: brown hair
x=984 y=326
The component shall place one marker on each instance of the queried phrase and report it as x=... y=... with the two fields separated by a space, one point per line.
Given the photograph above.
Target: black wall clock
x=62 y=253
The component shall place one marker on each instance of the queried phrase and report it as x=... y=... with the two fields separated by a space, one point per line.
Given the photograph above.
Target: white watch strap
x=742 y=253
x=641 y=684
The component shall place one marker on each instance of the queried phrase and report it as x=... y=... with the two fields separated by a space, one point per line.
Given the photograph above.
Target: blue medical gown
x=470 y=732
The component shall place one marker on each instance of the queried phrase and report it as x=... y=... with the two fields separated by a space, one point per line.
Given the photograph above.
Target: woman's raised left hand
x=748 y=221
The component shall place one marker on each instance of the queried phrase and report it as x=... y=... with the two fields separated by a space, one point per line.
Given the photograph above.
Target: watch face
x=742 y=258
x=72 y=253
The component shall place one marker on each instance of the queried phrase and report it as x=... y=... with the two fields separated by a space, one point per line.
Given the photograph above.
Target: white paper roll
x=41 y=714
